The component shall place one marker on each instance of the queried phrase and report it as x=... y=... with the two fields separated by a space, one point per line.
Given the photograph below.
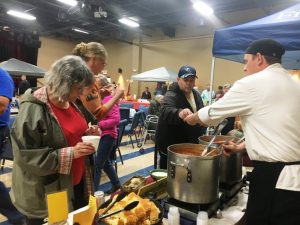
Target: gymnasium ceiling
x=159 y=19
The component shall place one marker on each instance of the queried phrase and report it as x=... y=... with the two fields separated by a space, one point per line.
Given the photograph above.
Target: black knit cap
x=266 y=47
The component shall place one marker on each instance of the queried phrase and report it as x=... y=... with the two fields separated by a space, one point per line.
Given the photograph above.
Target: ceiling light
x=129 y=22
x=203 y=8
x=68 y=2
x=80 y=30
x=21 y=15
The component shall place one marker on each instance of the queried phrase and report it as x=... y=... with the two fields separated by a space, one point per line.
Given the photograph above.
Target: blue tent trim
x=284 y=27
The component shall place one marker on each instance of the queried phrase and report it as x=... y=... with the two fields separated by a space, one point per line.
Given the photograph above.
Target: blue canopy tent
x=284 y=26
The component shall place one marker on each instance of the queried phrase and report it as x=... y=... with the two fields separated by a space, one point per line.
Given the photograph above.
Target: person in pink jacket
x=108 y=126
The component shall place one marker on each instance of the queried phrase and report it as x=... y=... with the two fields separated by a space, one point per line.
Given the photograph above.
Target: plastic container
x=202 y=218
x=99 y=195
x=173 y=216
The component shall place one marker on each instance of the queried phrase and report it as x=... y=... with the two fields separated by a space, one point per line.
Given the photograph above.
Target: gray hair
x=159 y=98
x=102 y=80
x=87 y=50
x=66 y=72
x=227 y=86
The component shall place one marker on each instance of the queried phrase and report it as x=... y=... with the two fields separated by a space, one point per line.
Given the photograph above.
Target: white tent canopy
x=161 y=74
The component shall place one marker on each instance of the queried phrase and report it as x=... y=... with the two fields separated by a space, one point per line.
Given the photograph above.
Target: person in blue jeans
x=6 y=94
x=108 y=126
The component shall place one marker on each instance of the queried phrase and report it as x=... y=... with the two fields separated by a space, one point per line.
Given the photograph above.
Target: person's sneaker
x=113 y=189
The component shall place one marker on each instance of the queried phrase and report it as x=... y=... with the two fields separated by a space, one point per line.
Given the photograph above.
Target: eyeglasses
x=101 y=60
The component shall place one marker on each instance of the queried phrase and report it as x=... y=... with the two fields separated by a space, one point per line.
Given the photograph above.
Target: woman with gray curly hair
x=49 y=155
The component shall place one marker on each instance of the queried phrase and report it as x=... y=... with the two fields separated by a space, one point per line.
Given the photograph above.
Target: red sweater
x=74 y=126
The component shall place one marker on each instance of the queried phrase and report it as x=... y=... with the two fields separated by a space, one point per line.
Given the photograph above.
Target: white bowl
x=92 y=139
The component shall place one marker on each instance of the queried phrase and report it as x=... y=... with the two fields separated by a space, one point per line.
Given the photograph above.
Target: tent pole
x=212 y=79
x=140 y=64
x=211 y=86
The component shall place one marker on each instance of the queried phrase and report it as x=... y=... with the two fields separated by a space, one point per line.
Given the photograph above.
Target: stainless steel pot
x=193 y=178
x=230 y=167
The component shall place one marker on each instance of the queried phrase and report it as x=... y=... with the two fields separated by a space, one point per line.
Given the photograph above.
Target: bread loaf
x=145 y=213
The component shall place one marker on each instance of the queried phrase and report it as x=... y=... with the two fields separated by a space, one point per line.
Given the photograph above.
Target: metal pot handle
x=177 y=164
x=189 y=171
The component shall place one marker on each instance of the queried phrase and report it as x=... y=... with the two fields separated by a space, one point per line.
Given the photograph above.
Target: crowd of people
x=50 y=156
x=206 y=94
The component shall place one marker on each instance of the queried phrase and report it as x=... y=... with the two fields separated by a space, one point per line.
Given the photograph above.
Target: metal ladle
x=216 y=132
x=240 y=140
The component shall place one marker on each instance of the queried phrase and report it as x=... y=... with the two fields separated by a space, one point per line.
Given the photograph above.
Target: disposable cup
x=92 y=139
x=99 y=195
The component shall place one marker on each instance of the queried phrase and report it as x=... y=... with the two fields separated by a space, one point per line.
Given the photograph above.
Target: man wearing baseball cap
x=267 y=102
x=181 y=99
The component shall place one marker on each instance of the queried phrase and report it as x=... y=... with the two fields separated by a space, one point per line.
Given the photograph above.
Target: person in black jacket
x=146 y=94
x=23 y=85
x=180 y=100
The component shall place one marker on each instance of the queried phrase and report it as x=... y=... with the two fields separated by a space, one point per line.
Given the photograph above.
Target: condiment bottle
x=173 y=216
x=202 y=218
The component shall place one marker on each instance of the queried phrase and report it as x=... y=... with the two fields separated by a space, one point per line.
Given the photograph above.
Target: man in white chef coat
x=268 y=103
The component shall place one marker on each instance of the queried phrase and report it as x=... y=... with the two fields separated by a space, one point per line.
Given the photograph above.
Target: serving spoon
x=216 y=132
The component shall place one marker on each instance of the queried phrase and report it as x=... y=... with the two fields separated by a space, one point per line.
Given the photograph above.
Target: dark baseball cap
x=266 y=47
x=186 y=71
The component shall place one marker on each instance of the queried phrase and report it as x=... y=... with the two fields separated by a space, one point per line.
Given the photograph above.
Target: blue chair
x=144 y=108
x=113 y=156
x=133 y=128
x=125 y=113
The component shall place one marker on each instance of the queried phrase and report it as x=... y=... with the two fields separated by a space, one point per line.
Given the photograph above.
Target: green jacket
x=42 y=158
